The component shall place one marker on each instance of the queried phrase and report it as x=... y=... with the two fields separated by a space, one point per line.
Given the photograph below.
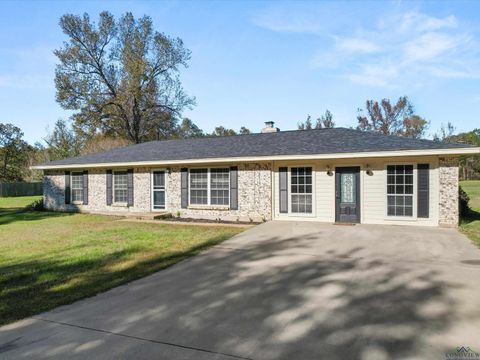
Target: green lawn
x=472 y=188
x=7 y=203
x=471 y=225
x=49 y=259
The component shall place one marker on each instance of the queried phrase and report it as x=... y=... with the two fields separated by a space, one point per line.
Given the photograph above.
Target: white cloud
x=415 y=21
x=279 y=20
x=353 y=45
x=376 y=75
x=446 y=73
x=400 y=48
x=431 y=45
x=303 y=18
x=414 y=48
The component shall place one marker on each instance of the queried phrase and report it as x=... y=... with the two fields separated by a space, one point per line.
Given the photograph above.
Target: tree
x=244 y=131
x=121 y=77
x=469 y=165
x=323 y=122
x=100 y=142
x=37 y=154
x=187 y=129
x=445 y=133
x=62 y=142
x=414 y=127
x=222 y=131
x=306 y=125
x=13 y=153
x=397 y=119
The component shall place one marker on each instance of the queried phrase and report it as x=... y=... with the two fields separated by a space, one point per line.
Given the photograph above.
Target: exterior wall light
x=329 y=170
x=369 y=170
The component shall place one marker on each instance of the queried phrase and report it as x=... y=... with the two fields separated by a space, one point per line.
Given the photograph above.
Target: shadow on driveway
x=272 y=299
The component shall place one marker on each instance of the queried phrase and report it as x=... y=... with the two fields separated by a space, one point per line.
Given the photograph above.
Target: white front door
x=158 y=190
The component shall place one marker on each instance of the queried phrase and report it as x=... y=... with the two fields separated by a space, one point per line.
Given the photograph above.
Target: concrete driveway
x=281 y=290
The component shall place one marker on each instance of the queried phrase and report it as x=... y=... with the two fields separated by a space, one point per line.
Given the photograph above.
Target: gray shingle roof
x=299 y=142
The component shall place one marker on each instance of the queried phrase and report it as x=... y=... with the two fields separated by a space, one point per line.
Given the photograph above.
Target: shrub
x=165 y=216
x=37 y=205
x=463 y=200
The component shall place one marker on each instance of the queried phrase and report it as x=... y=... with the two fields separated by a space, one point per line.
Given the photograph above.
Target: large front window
x=400 y=190
x=77 y=187
x=301 y=190
x=210 y=186
x=120 y=187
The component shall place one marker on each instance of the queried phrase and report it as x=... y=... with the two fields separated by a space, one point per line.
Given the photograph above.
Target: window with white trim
x=199 y=186
x=219 y=186
x=120 y=187
x=210 y=186
x=301 y=189
x=400 y=190
x=77 y=187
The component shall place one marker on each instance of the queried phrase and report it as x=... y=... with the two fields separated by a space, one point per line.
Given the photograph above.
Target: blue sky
x=259 y=61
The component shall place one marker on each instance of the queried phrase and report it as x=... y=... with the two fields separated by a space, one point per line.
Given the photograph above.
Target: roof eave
x=370 y=154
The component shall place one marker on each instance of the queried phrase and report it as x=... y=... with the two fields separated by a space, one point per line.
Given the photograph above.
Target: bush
x=165 y=216
x=463 y=200
x=37 y=205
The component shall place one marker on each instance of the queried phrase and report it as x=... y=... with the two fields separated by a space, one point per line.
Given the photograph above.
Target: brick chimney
x=269 y=127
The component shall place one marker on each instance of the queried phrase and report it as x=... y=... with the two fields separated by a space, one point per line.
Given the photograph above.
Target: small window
x=158 y=190
x=219 y=186
x=120 y=187
x=301 y=189
x=77 y=187
x=199 y=186
x=400 y=190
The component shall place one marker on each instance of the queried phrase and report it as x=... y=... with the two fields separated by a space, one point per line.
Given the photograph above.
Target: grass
x=8 y=203
x=50 y=259
x=472 y=188
x=471 y=225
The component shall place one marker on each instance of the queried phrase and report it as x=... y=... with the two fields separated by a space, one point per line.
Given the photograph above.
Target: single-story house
x=329 y=175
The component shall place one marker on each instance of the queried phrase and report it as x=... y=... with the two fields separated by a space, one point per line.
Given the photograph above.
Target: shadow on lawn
x=267 y=299
x=8 y=216
x=34 y=286
x=473 y=215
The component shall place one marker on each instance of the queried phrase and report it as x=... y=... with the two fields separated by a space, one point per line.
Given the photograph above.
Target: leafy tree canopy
x=222 y=131
x=244 y=131
x=62 y=141
x=121 y=76
x=13 y=153
x=445 y=133
x=392 y=119
x=188 y=129
x=323 y=122
x=469 y=164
